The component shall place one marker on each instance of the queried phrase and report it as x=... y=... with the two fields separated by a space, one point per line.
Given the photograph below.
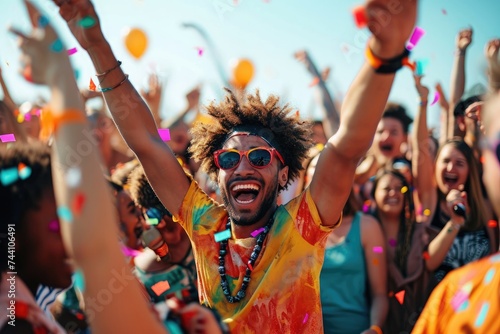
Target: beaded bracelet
x=376 y=329
x=118 y=64
x=51 y=122
x=104 y=90
x=388 y=66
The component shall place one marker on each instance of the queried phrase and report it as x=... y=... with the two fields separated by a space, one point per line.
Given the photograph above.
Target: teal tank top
x=343 y=283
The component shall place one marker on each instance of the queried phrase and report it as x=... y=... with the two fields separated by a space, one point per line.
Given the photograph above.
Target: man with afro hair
x=258 y=263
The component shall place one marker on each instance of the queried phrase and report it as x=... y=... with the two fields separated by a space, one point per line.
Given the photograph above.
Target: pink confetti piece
x=7 y=138
x=306 y=317
x=164 y=134
x=417 y=34
x=72 y=51
x=200 y=51
x=378 y=249
x=436 y=98
x=257 y=232
x=444 y=11
x=129 y=252
x=54 y=226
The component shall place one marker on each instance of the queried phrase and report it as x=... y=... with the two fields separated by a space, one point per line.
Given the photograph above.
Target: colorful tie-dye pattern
x=466 y=301
x=283 y=294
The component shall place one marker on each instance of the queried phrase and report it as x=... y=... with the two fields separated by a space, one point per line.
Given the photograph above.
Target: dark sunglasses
x=157 y=213
x=258 y=157
x=492 y=145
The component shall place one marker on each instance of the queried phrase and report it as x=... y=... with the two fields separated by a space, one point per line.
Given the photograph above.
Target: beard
x=240 y=217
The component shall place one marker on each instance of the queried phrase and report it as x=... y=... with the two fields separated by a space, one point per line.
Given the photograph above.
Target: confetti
x=305 y=318
x=378 y=249
x=375 y=262
x=8 y=176
x=400 y=296
x=7 y=138
x=43 y=21
x=57 y=46
x=224 y=235
x=92 y=85
x=492 y=223
x=78 y=203
x=64 y=213
x=73 y=177
x=427 y=212
x=164 y=134
x=495 y=258
x=421 y=66
x=417 y=34
x=129 y=252
x=27 y=117
x=160 y=287
x=314 y=82
x=200 y=51
x=458 y=299
x=489 y=276
x=87 y=22
x=404 y=190
x=152 y=221
x=54 y=226
x=77 y=74
x=72 y=51
x=481 y=317
x=257 y=232
x=436 y=98
x=79 y=281
x=392 y=242
x=360 y=18
x=444 y=11
x=426 y=256
x=24 y=171
x=20 y=118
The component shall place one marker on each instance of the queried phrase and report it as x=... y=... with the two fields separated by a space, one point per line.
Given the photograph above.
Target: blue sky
x=266 y=32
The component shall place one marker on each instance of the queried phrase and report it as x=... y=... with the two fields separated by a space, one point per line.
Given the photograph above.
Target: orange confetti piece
x=375 y=262
x=160 y=287
x=314 y=82
x=21 y=166
x=492 y=223
x=400 y=296
x=92 y=86
x=78 y=203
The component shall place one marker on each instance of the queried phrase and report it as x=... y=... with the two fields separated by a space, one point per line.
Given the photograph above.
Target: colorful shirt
x=283 y=294
x=466 y=301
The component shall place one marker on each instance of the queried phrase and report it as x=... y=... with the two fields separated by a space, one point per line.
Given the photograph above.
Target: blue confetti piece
x=77 y=74
x=489 y=276
x=421 y=66
x=25 y=173
x=87 y=22
x=78 y=280
x=495 y=258
x=43 y=21
x=8 y=176
x=481 y=317
x=224 y=235
x=64 y=213
x=463 y=306
x=57 y=46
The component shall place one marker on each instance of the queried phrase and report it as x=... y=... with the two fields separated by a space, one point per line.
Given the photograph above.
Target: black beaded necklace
x=255 y=254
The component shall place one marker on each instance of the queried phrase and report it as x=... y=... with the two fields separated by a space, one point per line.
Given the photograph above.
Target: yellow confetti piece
x=427 y=212
x=404 y=190
x=20 y=118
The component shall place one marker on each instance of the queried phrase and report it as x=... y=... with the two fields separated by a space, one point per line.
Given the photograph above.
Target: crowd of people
x=249 y=219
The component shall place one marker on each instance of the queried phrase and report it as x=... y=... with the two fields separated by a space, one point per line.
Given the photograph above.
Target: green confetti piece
x=489 y=276
x=220 y=236
x=87 y=22
x=152 y=221
x=57 y=46
x=25 y=173
x=64 y=213
x=8 y=176
x=481 y=317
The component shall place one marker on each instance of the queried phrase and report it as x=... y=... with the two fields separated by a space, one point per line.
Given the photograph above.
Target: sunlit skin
x=388 y=196
x=451 y=169
x=130 y=218
x=262 y=201
x=491 y=164
x=388 y=138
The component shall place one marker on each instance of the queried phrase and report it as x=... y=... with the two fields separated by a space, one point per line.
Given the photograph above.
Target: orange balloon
x=136 y=42
x=242 y=73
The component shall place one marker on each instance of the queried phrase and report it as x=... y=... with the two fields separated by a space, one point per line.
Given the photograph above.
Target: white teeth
x=244 y=202
x=246 y=187
x=451 y=176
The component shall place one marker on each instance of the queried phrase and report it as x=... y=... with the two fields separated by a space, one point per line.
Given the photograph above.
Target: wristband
x=52 y=123
x=118 y=64
x=104 y=90
x=388 y=66
x=376 y=329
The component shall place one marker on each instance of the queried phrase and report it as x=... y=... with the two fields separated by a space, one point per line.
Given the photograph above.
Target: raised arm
x=422 y=163
x=129 y=111
x=457 y=81
x=444 y=118
x=492 y=56
x=331 y=118
x=361 y=110
x=85 y=207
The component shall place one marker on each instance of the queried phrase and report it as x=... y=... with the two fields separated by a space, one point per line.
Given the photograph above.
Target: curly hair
x=141 y=190
x=280 y=123
x=20 y=195
x=406 y=221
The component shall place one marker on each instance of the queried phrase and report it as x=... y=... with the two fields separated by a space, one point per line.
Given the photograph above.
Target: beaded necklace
x=255 y=254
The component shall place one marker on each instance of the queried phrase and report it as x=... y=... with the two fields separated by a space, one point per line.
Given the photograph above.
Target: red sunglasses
x=258 y=157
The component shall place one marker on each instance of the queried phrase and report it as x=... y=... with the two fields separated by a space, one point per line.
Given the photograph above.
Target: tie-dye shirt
x=466 y=301
x=283 y=294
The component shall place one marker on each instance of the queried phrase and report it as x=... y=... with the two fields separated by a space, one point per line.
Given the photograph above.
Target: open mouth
x=245 y=193
x=392 y=201
x=386 y=148
x=450 y=178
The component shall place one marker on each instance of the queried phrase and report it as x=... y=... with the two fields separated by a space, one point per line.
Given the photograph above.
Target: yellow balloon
x=136 y=42
x=242 y=73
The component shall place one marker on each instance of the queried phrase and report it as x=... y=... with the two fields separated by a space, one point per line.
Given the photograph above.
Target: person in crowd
x=466 y=301
x=265 y=280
